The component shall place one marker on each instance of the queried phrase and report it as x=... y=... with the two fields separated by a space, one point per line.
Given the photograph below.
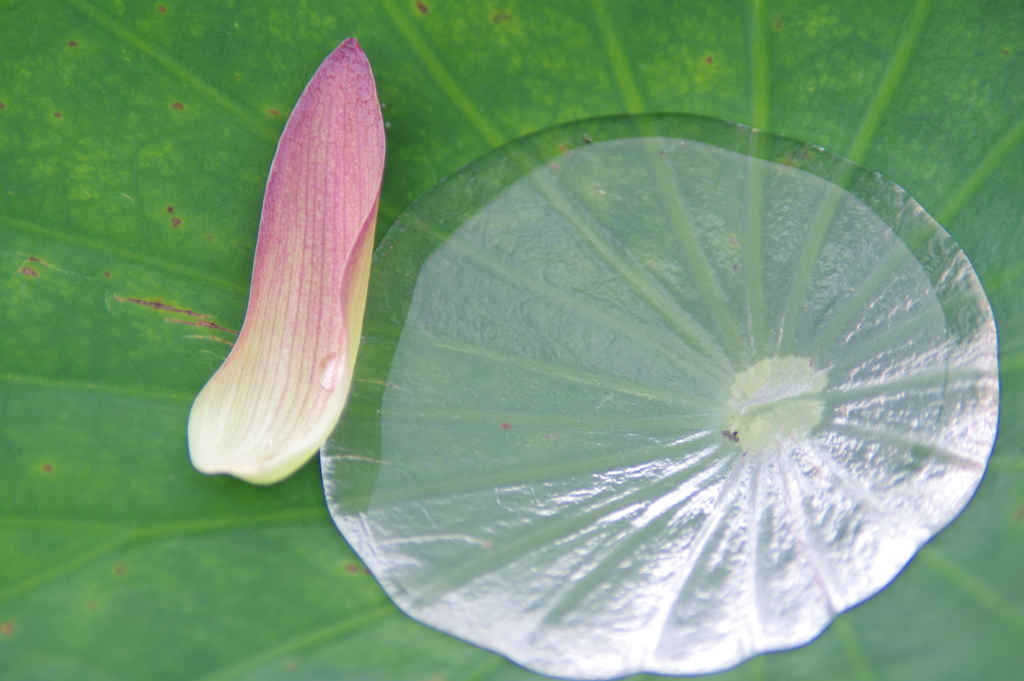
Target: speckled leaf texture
x=135 y=139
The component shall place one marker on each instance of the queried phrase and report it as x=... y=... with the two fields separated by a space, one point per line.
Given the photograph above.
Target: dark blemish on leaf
x=170 y=209
x=33 y=258
x=777 y=25
x=421 y=7
x=710 y=59
x=366 y=571
x=292 y=664
x=273 y=112
x=29 y=272
x=548 y=437
x=1019 y=515
x=563 y=148
x=733 y=435
x=1006 y=52
x=238 y=76
x=72 y=43
x=47 y=468
x=106 y=274
x=161 y=9
x=56 y=114
x=1 y=105
x=175 y=222
x=119 y=570
x=205 y=325
x=213 y=338
x=157 y=305
x=554 y=166
x=178 y=105
x=6 y=628
x=91 y=605
x=662 y=154
x=587 y=139
x=352 y=569
x=506 y=425
x=500 y=17
x=208 y=237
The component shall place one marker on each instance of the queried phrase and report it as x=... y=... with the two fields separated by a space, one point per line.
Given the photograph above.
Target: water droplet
x=330 y=369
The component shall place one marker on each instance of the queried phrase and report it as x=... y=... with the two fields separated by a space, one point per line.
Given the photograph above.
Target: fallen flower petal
x=280 y=392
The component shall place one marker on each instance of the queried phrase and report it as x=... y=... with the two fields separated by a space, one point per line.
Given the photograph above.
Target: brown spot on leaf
x=178 y=105
x=351 y=569
x=710 y=59
x=205 y=325
x=273 y=112
x=777 y=25
x=422 y=7
x=1 y=105
x=161 y=9
x=213 y=338
x=1019 y=515
x=175 y=222
x=170 y=209
x=6 y=628
x=29 y=272
x=47 y=468
x=500 y=17
x=91 y=605
x=56 y=114
x=157 y=305
x=506 y=425
x=106 y=274
x=119 y=570
x=72 y=43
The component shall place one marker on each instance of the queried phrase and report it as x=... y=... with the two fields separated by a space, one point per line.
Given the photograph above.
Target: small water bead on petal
x=330 y=371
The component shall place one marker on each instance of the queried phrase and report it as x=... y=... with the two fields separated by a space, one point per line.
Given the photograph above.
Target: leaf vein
x=119 y=30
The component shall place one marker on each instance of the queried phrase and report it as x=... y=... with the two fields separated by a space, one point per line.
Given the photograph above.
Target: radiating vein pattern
x=594 y=454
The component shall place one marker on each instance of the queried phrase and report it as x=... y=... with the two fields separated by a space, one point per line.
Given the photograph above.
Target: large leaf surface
x=127 y=225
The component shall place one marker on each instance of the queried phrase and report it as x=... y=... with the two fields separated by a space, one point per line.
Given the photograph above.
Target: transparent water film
x=659 y=395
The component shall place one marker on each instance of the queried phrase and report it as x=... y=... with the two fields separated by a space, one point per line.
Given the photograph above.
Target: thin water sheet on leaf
x=661 y=401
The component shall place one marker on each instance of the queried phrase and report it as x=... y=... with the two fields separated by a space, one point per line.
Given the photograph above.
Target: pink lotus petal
x=279 y=394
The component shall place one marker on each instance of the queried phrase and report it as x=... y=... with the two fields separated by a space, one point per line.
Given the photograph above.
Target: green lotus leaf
x=118 y=561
